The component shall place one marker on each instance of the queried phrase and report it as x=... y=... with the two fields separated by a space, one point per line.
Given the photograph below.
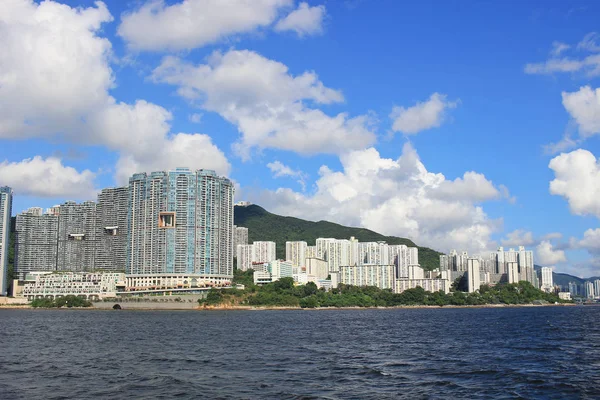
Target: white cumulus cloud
x=589 y=242
x=577 y=179
x=518 y=237
x=194 y=23
x=422 y=116
x=395 y=197
x=47 y=178
x=270 y=107
x=588 y=65
x=305 y=20
x=55 y=82
x=280 y=170
x=584 y=108
x=545 y=254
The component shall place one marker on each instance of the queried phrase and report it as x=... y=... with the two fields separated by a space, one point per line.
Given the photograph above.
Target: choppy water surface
x=544 y=352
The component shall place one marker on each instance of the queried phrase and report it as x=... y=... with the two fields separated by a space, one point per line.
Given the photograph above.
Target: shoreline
x=285 y=308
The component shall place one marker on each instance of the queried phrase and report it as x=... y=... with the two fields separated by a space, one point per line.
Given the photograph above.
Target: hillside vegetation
x=283 y=293
x=263 y=225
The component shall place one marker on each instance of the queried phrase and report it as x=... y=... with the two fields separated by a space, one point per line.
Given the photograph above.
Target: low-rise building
x=165 y=282
x=84 y=284
x=262 y=277
x=564 y=295
x=430 y=285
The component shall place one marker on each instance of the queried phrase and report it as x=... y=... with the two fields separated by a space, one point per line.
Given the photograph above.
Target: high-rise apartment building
x=547 y=282
x=245 y=256
x=321 y=247
x=338 y=254
x=474 y=279
x=5 y=214
x=180 y=221
x=240 y=236
x=264 y=251
x=296 y=253
x=76 y=236
x=512 y=269
x=376 y=253
x=526 y=270
x=111 y=229
x=589 y=289
x=36 y=247
x=311 y=252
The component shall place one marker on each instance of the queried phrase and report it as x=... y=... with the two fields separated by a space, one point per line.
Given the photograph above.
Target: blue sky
x=429 y=120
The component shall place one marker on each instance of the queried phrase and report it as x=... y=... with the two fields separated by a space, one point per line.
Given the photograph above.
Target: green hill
x=263 y=225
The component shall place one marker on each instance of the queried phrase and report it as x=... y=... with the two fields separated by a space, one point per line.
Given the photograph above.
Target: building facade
x=111 y=229
x=296 y=253
x=6 y=195
x=474 y=280
x=76 y=236
x=245 y=256
x=240 y=236
x=430 y=285
x=381 y=276
x=180 y=221
x=547 y=282
x=84 y=284
x=264 y=251
x=36 y=247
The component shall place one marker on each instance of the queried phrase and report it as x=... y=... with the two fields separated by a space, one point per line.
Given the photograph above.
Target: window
x=166 y=220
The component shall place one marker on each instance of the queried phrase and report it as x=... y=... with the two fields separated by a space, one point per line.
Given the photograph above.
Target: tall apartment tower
x=474 y=281
x=245 y=256
x=240 y=236
x=180 y=221
x=6 y=195
x=265 y=251
x=76 y=236
x=36 y=242
x=547 y=282
x=296 y=253
x=111 y=229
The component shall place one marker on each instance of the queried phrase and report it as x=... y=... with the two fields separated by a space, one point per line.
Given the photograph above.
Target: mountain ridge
x=264 y=225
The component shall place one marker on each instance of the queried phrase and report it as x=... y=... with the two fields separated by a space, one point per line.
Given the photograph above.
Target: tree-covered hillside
x=263 y=225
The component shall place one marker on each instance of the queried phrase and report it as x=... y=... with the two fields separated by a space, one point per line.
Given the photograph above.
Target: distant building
x=280 y=269
x=381 y=276
x=245 y=256
x=240 y=236
x=474 y=280
x=84 y=284
x=76 y=236
x=564 y=295
x=111 y=229
x=512 y=269
x=574 y=289
x=296 y=253
x=316 y=267
x=276 y=270
x=589 y=289
x=547 y=282
x=6 y=195
x=265 y=251
x=430 y=285
x=36 y=247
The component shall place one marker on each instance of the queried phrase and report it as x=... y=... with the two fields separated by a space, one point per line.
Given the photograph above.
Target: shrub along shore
x=283 y=293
